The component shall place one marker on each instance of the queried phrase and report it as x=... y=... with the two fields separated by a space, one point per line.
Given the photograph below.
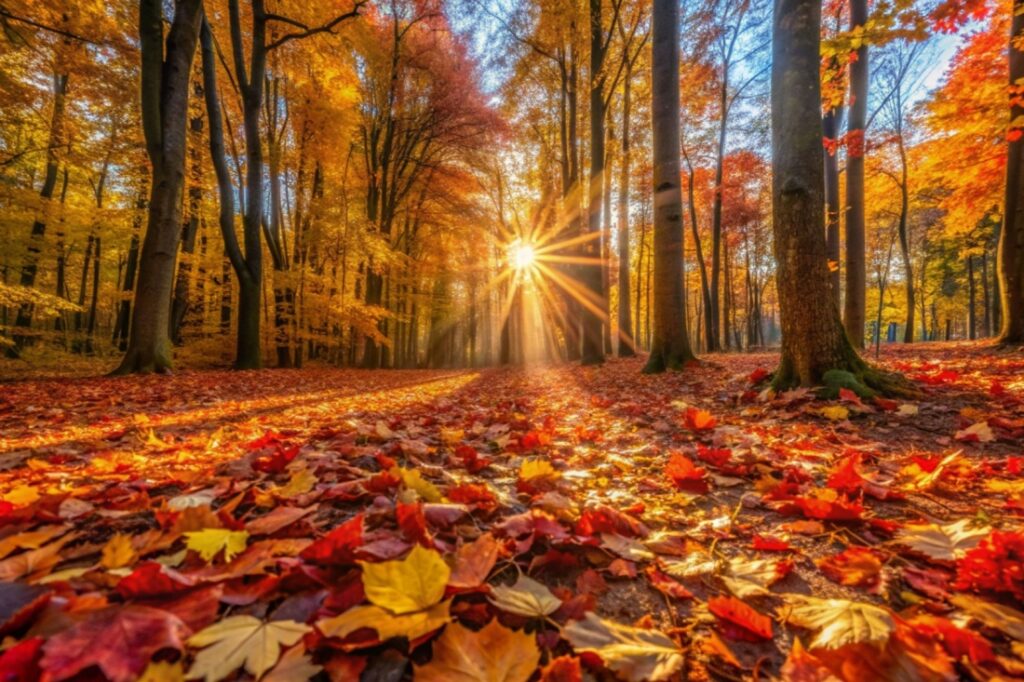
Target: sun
x=522 y=256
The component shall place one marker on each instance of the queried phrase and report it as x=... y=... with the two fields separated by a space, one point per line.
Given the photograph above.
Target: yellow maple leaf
x=836 y=413
x=210 y=541
x=414 y=583
x=301 y=482
x=118 y=552
x=537 y=468
x=413 y=480
x=21 y=495
x=242 y=641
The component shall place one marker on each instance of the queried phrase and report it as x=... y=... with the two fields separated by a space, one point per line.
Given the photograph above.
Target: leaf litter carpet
x=557 y=523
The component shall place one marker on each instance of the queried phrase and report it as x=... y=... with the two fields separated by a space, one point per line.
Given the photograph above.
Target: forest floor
x=707 y=523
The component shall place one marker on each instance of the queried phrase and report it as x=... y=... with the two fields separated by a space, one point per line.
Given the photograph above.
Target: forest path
x=643 y=498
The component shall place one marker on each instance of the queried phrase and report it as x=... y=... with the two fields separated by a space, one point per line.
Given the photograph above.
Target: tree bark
x=593 y=346
x=813 y=340
x=1011 y=235
x=164 y=86
x=670 y=346
x=626 y=345
x=856 y=268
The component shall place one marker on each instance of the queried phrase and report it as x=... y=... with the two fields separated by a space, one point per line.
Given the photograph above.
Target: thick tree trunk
x=165 y=86
x=180 y=304
x=856 y=268
x=626 y=345
x=670 y=346
x=1011 y=235
x=813 y=340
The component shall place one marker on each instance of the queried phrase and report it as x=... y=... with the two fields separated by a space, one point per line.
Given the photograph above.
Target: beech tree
x=815 y=347
x=670 y=346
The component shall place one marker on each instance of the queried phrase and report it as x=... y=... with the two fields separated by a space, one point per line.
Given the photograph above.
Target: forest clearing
x=512 y=340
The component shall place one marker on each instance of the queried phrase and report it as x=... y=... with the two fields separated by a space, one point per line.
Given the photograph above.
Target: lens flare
x=522 y=256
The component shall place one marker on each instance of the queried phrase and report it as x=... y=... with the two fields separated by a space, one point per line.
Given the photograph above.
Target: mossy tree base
x=854 y=375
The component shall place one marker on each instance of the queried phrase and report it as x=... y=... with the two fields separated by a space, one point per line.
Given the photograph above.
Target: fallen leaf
x=210 y=542
x=387 y=625
x=118 y=640
x=118 y=552
x=944 y=543
x=494 y=654
x=837 y=621
x=526 y=597
x=634 y=654
x=738 y=620
x=414 y=583
x=240 y=641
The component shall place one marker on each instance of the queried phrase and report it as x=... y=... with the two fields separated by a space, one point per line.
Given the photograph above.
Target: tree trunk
x=971 y=295
x=813 y=340
x=23 y=320
x=830 y=128
x=709 y=340
x=986 y=299
x=180 y=304
x=904 y=237
x=626 y=344
x=856 y=269
x=670 y=346
x=593 y=348
x=165 y=86
x=1011 y=235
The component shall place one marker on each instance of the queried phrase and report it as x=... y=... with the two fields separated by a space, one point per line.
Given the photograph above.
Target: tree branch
x=306 y=31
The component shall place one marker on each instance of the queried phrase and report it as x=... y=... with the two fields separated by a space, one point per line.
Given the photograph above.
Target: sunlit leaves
x=634 y=654
x=241 y=641
x=526 y=597
x=210 y=542
x=411 y=584
x=494 y=653
x=387 y=625
x=837 y=622
x=944 y=543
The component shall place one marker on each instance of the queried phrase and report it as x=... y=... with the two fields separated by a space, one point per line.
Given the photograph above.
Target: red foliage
x=737 y=620
x=995 y=565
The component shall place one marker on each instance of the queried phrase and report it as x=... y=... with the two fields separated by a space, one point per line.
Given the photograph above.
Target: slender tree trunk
x=986 y=299
x=856 y=292
x=1011 y=235
x=830 y=127
x=904 y=238
x=180 y=303
x=670 y=347
x=971 y=296
x=593 y=351
x=709 y=331
x=626 y=344
x=165 y=90
x=713 y=315
x=55 y=146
